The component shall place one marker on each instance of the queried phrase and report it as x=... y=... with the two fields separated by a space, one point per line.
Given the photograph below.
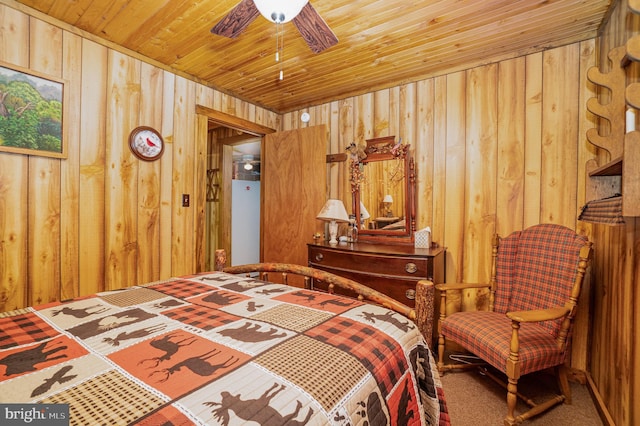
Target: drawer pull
x=410 y=267
x=410 y=294
x=319 y=257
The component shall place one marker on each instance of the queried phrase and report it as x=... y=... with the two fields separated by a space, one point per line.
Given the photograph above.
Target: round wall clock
x=146 y=143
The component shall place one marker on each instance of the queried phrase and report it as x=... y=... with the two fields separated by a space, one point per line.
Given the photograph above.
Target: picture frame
x=32 y=110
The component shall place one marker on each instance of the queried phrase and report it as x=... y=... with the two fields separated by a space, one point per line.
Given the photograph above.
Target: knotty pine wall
x=501 y=147
x=101 y=219
x=615 y=347
x=498 y=148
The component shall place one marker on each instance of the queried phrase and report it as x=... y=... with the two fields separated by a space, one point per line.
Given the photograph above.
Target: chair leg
x=563 y=383
x=441 y=353
x=513 y=374
x=512 y=399
x=441 y=340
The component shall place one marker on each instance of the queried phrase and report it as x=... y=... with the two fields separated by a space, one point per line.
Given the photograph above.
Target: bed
x=223 y=348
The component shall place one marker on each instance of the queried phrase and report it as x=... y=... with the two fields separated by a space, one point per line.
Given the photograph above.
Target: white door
x=245 y=222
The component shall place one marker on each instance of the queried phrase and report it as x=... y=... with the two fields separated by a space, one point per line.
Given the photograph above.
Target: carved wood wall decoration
x=620 y=175
x=612 y=111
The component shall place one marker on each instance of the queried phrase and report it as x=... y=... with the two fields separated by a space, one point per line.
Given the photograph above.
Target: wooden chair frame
x=512 y=367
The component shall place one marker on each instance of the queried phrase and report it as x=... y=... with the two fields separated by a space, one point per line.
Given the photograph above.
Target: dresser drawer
x=409 y=268
x=393 y=270
x=400 y=289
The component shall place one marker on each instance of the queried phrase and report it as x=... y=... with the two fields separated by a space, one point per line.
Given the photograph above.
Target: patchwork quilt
x=220 y=349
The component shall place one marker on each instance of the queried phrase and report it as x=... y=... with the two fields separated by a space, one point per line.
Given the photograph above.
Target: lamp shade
x=280 y=11
x=387 y=199
x=364 y=214
x=333 y=210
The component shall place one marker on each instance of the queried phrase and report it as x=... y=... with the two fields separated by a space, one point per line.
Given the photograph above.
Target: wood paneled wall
x=498 y=148
x=502 y=147
x=101 y=219
x=505 y=137
x=615 y=347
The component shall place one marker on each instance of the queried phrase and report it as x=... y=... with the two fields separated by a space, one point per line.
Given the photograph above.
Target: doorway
x=245 y=204
x=233 y=194
x=214 y=231
x=295 y=186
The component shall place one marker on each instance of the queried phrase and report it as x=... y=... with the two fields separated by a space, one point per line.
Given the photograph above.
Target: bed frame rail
x=422 y=314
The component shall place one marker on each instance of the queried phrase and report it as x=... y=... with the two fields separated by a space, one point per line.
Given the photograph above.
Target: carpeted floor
x=476 y=400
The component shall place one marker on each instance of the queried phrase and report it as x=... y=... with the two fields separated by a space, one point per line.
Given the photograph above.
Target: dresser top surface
x=379 y=249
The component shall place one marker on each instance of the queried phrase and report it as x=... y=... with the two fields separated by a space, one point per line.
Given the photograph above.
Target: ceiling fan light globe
x=280 y=11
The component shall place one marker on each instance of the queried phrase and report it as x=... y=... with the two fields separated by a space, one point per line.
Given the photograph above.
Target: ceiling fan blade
x=237 y=20
x=314 y=30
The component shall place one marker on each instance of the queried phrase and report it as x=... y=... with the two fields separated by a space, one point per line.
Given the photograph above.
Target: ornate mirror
x=383 y=185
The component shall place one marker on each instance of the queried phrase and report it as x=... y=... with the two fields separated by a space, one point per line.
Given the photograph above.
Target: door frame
x=205 y=115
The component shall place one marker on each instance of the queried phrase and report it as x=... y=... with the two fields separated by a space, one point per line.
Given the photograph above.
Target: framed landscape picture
x=32 y=109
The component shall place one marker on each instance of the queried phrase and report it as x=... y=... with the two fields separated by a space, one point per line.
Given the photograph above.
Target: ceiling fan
x=312 y=27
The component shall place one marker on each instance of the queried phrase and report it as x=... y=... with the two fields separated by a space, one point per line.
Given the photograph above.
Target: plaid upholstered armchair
x=536 y=277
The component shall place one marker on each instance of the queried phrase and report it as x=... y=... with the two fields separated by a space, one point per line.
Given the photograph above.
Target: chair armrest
x=538 y=315
x=461 y=286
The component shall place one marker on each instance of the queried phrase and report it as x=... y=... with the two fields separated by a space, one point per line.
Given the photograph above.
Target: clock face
x=146 y=143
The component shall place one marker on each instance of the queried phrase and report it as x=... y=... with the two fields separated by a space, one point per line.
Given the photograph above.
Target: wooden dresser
x=390 y=269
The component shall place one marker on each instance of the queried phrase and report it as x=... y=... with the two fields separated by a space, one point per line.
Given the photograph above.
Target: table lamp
x=364 y=214
x=387 y=201
x=333 y=212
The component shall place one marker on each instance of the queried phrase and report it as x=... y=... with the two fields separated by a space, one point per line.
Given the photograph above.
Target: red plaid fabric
x=536 y=269
x=487 y=335
x=24 y=328
x=365 y=343
x=201 y=317
x=444 y=416
x=182 y=289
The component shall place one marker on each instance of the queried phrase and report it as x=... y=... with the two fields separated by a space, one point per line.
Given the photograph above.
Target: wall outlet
x=185 y=200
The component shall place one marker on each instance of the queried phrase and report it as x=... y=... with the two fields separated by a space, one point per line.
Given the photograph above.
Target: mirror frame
x=381 y=149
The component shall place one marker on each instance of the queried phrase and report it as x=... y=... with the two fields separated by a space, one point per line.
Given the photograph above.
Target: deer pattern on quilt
x=199 y=365
x=136 y=334
x=184 y=352
x=80 y=312
x=168 y=346
x=109 y=322
x=249 y=332
x=388 y=317
x=258 y=410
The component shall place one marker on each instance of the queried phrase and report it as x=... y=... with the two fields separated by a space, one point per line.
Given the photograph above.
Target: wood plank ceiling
x=382 y=43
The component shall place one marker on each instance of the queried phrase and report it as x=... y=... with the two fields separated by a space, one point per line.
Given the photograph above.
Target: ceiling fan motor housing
x=277 y=17
x=280 y=11
x=313 y=29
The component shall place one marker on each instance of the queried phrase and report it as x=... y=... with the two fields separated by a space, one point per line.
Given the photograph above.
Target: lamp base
x=333 y=232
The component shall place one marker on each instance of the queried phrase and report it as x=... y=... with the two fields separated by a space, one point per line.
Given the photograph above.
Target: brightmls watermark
x=34 y=414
